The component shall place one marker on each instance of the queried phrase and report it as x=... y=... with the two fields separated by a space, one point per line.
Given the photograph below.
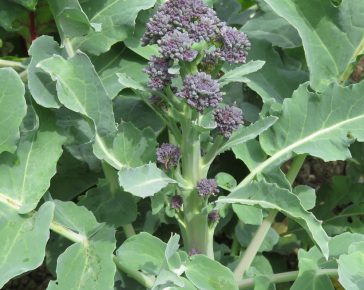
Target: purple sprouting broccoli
x=228 y=119
x=176 y=202
x=193 y=252
x=191 y=16
x=157 y=70
x=213 y=216
x=168 y=155
x=207 y=187
x=201 y=91
x=177 y=45
x=234 y=45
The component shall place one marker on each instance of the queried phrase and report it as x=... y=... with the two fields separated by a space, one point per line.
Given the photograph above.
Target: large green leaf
x=12 y=108
x=351 y=270
x=25 y=176
x=322 y=125
x=267 y=195
x=134 y=147
x=144 y=181
x=275 y=81
x=23 y=239
x=332 y=36
x=115 y=208
x=87 y=264
x=119 y=60
x=70 y=18
x=41 y=86
x=80 y=89
x=208 y=274
x=116 y=19
x=142 y=252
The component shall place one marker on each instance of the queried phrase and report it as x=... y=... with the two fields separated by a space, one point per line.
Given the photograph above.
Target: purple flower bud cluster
x=177 y=45
x=213 y=216
x=191 y=16
x=168 y=155
x=157 y=70
x=228 y=119
x=193 y=252
x=176 y=202
x=207 y=187
x=234 y=45
x=201 y=91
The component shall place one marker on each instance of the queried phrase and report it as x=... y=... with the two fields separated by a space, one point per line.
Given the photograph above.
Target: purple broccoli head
x=234 y=45
x=207 y=187
x=177 y=45
x=228 y=119
x=213 y=216
x=157 y=70
x=201 y=91
x=168 y=155
x=176 y=202
x=191 y=16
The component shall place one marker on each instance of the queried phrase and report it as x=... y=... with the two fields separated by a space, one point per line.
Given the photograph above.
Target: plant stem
x=286 y=277
x=13 y=64
x=68 y=46
x=263 y=229
x=129 y=230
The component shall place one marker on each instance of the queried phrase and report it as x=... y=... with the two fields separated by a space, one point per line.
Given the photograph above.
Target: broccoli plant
x=158 y=144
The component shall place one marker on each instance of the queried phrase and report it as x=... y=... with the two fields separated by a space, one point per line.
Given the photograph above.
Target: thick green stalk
x=285 y=277
x=263 y=229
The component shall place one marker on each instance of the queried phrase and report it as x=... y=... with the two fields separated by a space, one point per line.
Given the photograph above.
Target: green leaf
x=331 y=45
x=25 y=176
x=271 y=196
x=351 y=270
x=41 y=85
x=309 y=277
x=245 y=134
x=91 y=259
x=307 y=196
x=273 y=28
x=275 y=81
x=129 y=83
x=225 y=181
x=142 y=252
x=24 y=238
x=320 y=125
x=29 y=4
x=144 y=181
x=134 y=147
x=237 y=74
x=80 y=89
x=119 y=60
x=117 y=209
x=70 y=18
x=248 y=214
x=12 y=108
x=250 y=153
x=116 y=19
x=209 y=274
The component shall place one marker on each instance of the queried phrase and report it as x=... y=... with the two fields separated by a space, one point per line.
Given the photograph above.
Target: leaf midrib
x=291 y=147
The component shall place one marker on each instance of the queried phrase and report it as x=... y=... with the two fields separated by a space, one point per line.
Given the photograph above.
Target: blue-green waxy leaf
x=142 y=252
x=12 y=108
x=25 y=176
x=332 y=36
x=209 y=275
x=116 y=19
x=144 y=181
x=23 y=239
x=321 y=125
x=70 y=18
x=29 y=4
x=351 y=267
x=80 y=89
x=237 y=74
x=271 y=196
x=134 y=147
x=91 y=257
x=41 y=85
